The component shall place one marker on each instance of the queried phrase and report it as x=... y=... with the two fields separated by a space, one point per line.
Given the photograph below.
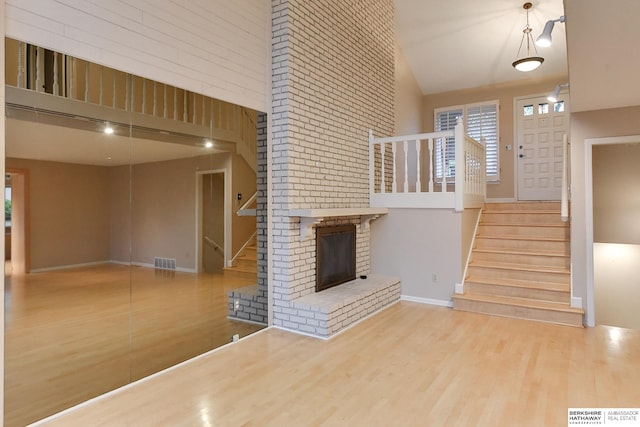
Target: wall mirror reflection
x=130 y=228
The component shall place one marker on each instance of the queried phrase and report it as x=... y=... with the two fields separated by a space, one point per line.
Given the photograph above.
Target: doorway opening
x=613 y=237
x=213 y=230
x=16 y=221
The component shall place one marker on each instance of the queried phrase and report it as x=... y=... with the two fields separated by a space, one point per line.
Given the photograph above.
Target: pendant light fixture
x=529 y=62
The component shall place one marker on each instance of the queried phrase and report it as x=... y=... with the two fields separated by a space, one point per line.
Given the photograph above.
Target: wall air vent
x=164 y=263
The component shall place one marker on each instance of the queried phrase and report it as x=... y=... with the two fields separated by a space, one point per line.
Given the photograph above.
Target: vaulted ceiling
x=457 y=44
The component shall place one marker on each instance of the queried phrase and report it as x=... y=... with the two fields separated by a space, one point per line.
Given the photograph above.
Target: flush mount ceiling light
x=544 y=40
x=529 y=62
x=108 y=129
x=208 y=143
x=553 y=96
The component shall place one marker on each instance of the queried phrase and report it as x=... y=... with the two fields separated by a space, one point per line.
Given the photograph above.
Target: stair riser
x=571 y=319
x=543 y=206
x=245 y=262
x=512 y=244
x=532 y=260
x=533 y=276
x=521 y=218
x=518 y=292
x=524 y=231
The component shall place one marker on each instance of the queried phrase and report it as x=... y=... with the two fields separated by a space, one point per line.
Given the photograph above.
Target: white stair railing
x=564 y=197
x=393 y=161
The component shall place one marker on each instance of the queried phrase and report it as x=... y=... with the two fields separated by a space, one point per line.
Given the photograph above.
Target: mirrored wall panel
x=131 y=237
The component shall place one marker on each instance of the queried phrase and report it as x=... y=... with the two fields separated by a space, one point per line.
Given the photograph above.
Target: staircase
x=520 y=265
x=246 y=264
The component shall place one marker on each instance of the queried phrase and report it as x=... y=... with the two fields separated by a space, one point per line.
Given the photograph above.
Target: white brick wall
x=333 y=80
x=217 y=47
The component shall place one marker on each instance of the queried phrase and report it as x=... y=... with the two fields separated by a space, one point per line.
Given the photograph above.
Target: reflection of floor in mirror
x=74 y=334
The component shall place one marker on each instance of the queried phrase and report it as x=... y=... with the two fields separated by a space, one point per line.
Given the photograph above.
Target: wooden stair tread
x=519 y=283
x=522 y=267
x=243 y=268
x=517 y=237
x=524 y=224
x=517 y=211
x=522 y=252
x=520 y=302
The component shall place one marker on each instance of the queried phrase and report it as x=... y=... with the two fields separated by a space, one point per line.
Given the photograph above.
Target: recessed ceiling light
x=108 y=129
x=208 y=144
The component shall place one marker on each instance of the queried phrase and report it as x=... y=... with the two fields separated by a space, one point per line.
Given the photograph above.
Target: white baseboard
x=576 y=302
x=430 y=301
x=65 y=267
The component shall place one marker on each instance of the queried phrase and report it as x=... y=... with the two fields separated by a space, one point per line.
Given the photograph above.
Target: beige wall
x=408 y=105
x=69 y=212
x=592 y=124
x=505 y=93
x=616 y=193
x=617 y=288
x=83 y=214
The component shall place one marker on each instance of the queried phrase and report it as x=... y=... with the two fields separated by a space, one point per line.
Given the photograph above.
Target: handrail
x=249 y=201
x=564 y=201
x=212 y=243
x=249 y=240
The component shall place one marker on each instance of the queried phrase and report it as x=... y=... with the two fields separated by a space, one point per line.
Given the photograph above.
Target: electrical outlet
x=236 y=304
x=434 y=277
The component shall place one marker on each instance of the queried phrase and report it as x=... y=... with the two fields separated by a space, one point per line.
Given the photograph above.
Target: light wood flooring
x=71 y=335
x=409 y=365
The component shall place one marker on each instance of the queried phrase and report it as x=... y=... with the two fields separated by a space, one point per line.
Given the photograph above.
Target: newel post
x=458 y=136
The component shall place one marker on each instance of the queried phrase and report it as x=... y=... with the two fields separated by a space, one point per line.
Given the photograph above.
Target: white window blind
x=480 y=123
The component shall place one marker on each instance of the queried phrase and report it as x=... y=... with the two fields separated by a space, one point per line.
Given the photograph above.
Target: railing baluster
x=39 y=67
x=394 y=157
x=175 y=103
x=203 y=110
x=127 y=93
x=155 y=98
x=193 y=119
x=56 y=85
x=165 y=111
x=406 y=167
x=432 y=169
x=86 y=82
x=72 y=77
x=418 y=177
x=113 y=96
x=383 y=185
x=101 y=89
x=22 y=63
x=443 y=149
x=144 y=96
x=185 y=115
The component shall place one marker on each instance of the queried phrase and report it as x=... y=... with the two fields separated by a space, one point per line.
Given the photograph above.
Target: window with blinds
x=480 y=123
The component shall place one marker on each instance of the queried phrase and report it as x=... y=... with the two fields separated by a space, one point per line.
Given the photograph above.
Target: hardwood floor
x=409 y=365
x=71 y=335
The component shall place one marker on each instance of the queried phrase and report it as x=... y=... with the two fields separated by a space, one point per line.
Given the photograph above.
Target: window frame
x=492 y=144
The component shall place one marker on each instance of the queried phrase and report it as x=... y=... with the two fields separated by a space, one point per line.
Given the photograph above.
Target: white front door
x=541 y=125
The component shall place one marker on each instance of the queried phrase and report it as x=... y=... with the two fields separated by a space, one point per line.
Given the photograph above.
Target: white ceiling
x=457 y=44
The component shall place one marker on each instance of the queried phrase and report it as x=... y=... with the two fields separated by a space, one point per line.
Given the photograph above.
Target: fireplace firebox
x=335 y=255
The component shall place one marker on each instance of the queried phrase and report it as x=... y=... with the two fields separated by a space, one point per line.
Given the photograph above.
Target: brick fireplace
x=326 y=95
x=297 y=304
